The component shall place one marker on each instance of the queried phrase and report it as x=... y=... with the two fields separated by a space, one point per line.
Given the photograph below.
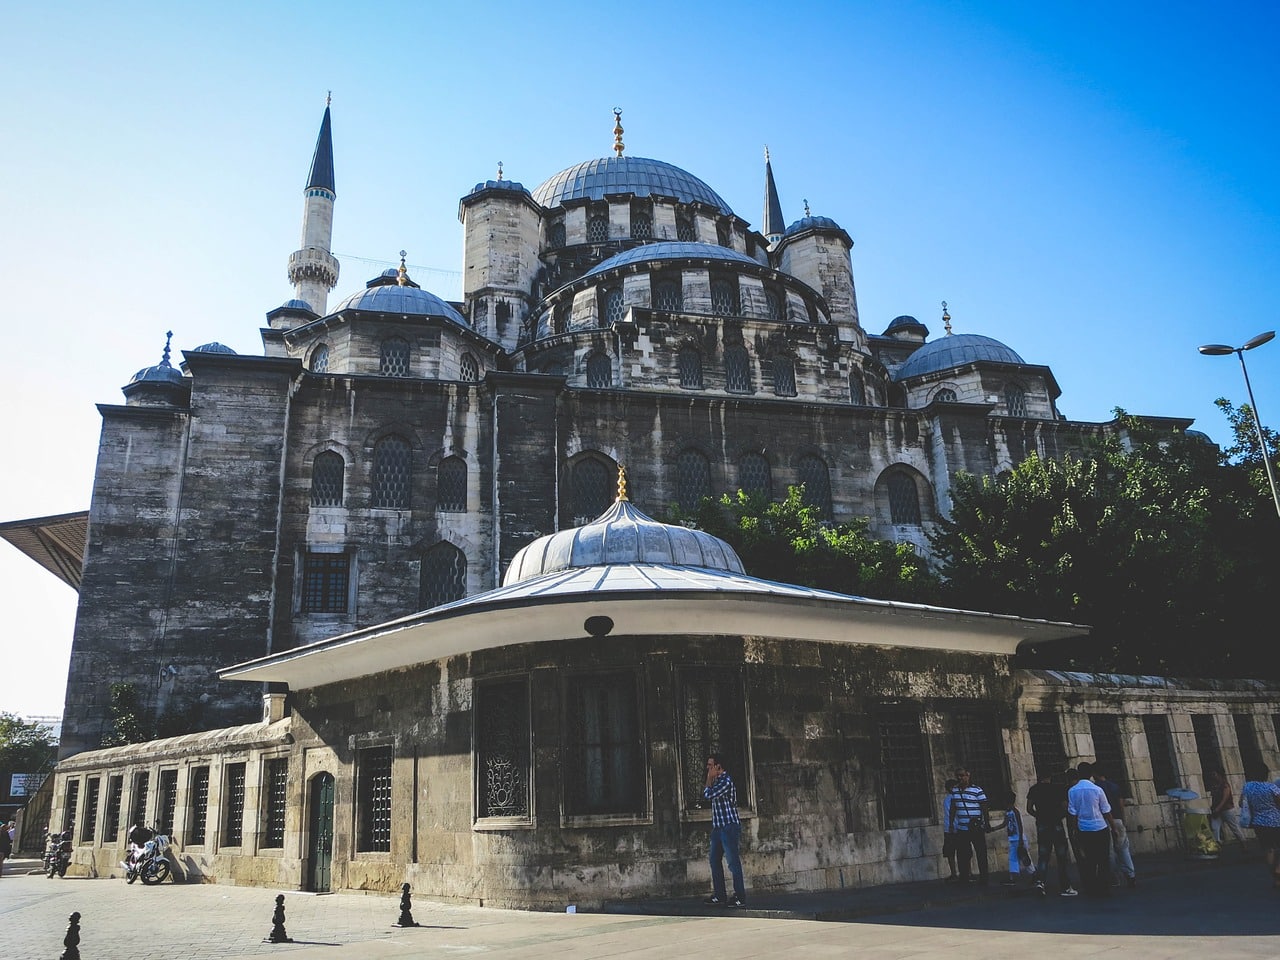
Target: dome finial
x=617 y=131
x=164 y=359
x=622 y=484
x=766 y=153
x=946 y=318
x=806 y=208
x=402 y=275
x=499 y=169
x=328 y=97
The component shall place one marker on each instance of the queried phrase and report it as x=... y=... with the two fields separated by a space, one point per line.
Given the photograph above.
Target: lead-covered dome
x=812 y=223
x=639 y=176
x=955 y=351
x=671 y=250
x=385 y=294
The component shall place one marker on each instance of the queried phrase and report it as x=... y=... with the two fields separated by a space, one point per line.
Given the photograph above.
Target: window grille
x=593 y=489
x=712 y=720
x=326 y=581
x=773 y=305
x=1247 y=740
x=1206 y=742
x=606 y=760
x=71 y=801
x=451 y=485
x=502 y=749
x=92 y=787
x=693 y=480
x=168 y=801
x=1015 y=401
x=813 y=474
x=689 y=363
x=233 y=805
x=597 y=229
x=904 y=766
x=857 y=392
x=1164 y=769
x=394 y=361
x=722 y=234
x=613 y=307
x=141 y=785
x=904 y=500
x=374 y=800
x=686 y=231
x=668 y=296
x=945 y=395
x=392 y=473
x=442 y=576
x=111 y=818
x=199 y=806
x=468 y=369
x=1047 y=751
x=724 y=298
x=784 y=376
x=320 y=359
x=599 y=371
x=276 y=791
x=1107 y=748
x=327 y=472
x=737 y=369
x=979 y=746
x=556 y=235
x=754 y=475
x=641 y=225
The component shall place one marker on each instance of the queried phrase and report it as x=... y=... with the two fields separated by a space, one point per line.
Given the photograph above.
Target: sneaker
x=713 y=902
x=737 y=902
x=1070 y=892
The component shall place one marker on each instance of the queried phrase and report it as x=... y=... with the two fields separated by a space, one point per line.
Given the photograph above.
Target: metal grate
x=641 y=225
x=668 y=296
x=857 y=392
x=904 y=766
x=813 y=474
x=394 y=361
x=277 y=777
x=168 y=801
x=613 y=310
x=1107 y=749
x=1247 y=740
x=502 y=749
x=904 y=501
x=442 y=577
x=712 y=720
x=71 y=801
x=141 y=787
x=754 y=475
x=469 y=368
x=597 y=229
x=689 y=364
x=1047 y=751
x=1206 y=743
x=233 y=824
x=693 y=479
x=606 y=760
x=92 y=788
x=724 y=298
x=945 y=395
x=326 y=579
x=451 y=485
x=111 y=818
x=320 y=359
x=737 y=369
x=979 y=747
x=199 y=805
x=599 y=371
x=392 y=473
x=327 y=472
x=686 y=232
x=784 y=376
x=1015 y=401
x=374 y=799
x=773 y=305
x=1164 y=771
x=593 y=487
x=556 y=235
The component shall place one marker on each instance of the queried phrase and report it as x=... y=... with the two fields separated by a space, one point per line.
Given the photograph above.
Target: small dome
x=905 y=322
x=620 y=535
x=162 y=372
x=671 y=250
x=638 y=176
x=955 y=351
x=513 y=185
x=408 y=300
x=216 y=347
x=812 y=223
x=297 y=305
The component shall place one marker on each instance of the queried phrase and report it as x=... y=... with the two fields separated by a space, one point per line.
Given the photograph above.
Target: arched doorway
x=320 y=830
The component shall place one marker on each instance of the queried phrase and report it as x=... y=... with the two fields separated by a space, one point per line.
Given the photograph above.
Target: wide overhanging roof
x=56 y=543
x=644 y=600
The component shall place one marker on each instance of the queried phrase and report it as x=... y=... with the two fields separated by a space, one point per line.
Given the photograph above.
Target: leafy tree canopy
x=25 y=747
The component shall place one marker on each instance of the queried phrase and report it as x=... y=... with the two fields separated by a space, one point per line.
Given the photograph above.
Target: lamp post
x=1221 y=350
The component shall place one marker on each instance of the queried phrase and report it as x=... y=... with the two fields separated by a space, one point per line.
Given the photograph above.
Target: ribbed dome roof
x=622 y=534
x=812 y=223
x=393 y=298
x=297 y=305
x=214 y=347
x=955 y=351
x=162 y=372
x=670 y=250
x=638 y=176
x=905 y=322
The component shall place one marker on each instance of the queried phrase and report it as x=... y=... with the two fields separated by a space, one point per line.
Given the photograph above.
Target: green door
x=320 y=857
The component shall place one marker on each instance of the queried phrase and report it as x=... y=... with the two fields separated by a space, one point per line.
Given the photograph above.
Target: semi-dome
x=214 y=347
x=812 y=223
x=670 y=250
x=955 y=351
x=621 y=535
x=381 y=296
x=639 y=176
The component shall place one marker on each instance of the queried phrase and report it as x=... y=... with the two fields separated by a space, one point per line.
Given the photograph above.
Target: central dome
x=638 y=176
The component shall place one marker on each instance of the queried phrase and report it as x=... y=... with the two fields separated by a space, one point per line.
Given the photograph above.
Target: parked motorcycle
x=147 y=856
x=57 y=854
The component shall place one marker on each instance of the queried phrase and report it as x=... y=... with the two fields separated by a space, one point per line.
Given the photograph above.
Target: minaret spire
x=313 y=271
x=773 y=225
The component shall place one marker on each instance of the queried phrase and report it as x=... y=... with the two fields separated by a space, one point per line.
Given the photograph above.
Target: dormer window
x=686 y=230
x=599 y=371
x=613 y=310
x=724 y=297
x=468 y=369
x=641 y=224
x=598 y=224
x=320 y=359
x=1015 y=400
x=556 y=235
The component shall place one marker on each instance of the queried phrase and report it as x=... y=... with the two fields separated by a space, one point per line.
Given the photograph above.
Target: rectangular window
x=326 y=579
x=712 y=720
x=70 y=801
x=979 y=746
x=1206 y=743
x=275 y=790
x=198 y=806
x=904 y=765
x=1247 y=740
x=502 y=749
x=92 y=787
x=141 y=785
x=605 y=751
x=111 y=819
x=233 y=804
x=168 y=801
x=373 y=799
x=1045 y=731
x=1107 y=750
x=1164 y=768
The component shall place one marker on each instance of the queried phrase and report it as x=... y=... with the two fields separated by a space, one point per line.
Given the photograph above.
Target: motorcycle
x=57 y=854
x=147 y=857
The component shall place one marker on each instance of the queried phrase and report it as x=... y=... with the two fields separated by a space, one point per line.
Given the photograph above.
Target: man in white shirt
x=1090 y=816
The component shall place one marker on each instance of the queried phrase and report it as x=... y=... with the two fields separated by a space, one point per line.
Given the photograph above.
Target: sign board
x=24 y=784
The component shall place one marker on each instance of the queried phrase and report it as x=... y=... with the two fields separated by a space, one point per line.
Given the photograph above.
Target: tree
x=128 y=721
x=25 y=747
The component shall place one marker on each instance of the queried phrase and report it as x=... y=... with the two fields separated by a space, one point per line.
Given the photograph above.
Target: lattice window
x=198 y=802
x=605 y=772
x=712 y=720
x=979 y=748
x=737 y=369
x=773 y=305
x=320 y=359
x=442 y=577
x=1047 y=752
x=1108 y=750
x=502 y=749
x=451 y=485
x=468 y=369
x=373 y=799
x=668 y=295
x=597 y=228
x=70 y=801
x=904 y=499
x=233 y=806
x=1206 y=743
x=394 y=360
x=724 y=298
x=613 y=307
x=686 y=230
x=1015 y=401
x=593 y=489
x=1247 y=740
x=904 y=766
x=945 y=395
x=693 y=480
x=815 y=477
x=327 y=472
x=754 y=475
x=599 y=371
x=141 y=787
x=111 y=818
x=168 y=806
x=326 y=581
x=92 y=789
x=857 y=392
x=556 y=237
x=722 y=234
x=1164 y=768
x=689 y=363
x=641 y=225
x=392 y=473
x=276 y=792
x=784 y=376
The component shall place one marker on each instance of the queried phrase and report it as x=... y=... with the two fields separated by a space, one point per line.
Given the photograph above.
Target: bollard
x=278 y=934
x=72 y=940
x=406 y=914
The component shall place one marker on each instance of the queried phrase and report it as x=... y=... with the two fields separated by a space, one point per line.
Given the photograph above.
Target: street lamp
x=1221 y=350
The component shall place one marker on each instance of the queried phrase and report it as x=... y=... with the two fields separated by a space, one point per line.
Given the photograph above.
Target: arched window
x=812 y=471
x=686 y=231
x=1015 y=400
x=613 y=310
x=722 y=234
x=754 y=475
x=693 y=479
x=904 y=499
x=737 y=369
x=392 y=473
x=857 y=392
x=394 y=361
x=593 y=487
x=556 y=235
x=469 y=368
x=598 y=228
x=689 y=362
x=563 y=313
x=641 y=225
x=442 y=576
x=784 y=376
x=327 y=471
x=320 y=359
x=773 y=305
x=451 y=485
x=724 y=297
x=667 y=295
x=599 y=370
x=945 y=395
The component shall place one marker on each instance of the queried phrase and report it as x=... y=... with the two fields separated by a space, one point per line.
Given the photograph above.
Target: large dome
x=671 y=250
x=638 y=176
x=955 y=351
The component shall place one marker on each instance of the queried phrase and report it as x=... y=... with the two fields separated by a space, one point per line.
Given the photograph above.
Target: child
x=1019 y=856
x=949 y=827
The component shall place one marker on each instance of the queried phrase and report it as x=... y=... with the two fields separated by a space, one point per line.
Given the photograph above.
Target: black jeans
x=1095 y=867
x=972 y=841
x=1051 y=838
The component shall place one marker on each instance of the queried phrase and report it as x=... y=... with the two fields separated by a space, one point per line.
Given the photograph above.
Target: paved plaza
x=1221 y=910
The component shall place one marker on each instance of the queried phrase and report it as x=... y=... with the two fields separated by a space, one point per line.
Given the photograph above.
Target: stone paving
x=1220 y=910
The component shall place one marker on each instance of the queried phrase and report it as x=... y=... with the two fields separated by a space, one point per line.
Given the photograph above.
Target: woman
x=1261 y=799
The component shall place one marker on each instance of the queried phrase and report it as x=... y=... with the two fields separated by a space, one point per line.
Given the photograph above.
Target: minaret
x=773 y=224
x=313 y=271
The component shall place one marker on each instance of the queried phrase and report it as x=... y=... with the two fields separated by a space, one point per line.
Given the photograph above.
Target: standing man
x=1121 y=856
x=1090 y=814
x=969 y=809
x=726 y=832
x=1047 y=802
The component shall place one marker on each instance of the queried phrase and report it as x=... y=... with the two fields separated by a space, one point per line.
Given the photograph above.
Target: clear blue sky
x=1093 y=184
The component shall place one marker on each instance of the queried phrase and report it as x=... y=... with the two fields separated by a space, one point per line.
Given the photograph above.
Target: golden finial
x=617 y=131
x=622 y=484
x=402 y=275
x=328 y=98
x=499 y=169
x=806 y=208
x=946 y=318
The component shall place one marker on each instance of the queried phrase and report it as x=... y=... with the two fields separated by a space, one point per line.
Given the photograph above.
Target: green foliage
x=25 y=747
x=129 y=723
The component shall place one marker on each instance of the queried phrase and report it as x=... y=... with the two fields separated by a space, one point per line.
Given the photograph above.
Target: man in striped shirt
x=726 y=831
x=969 y=817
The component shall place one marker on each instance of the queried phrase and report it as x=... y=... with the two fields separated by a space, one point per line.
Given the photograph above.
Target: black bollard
x=278 y=934
x=406 y=913
x=72 y=940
